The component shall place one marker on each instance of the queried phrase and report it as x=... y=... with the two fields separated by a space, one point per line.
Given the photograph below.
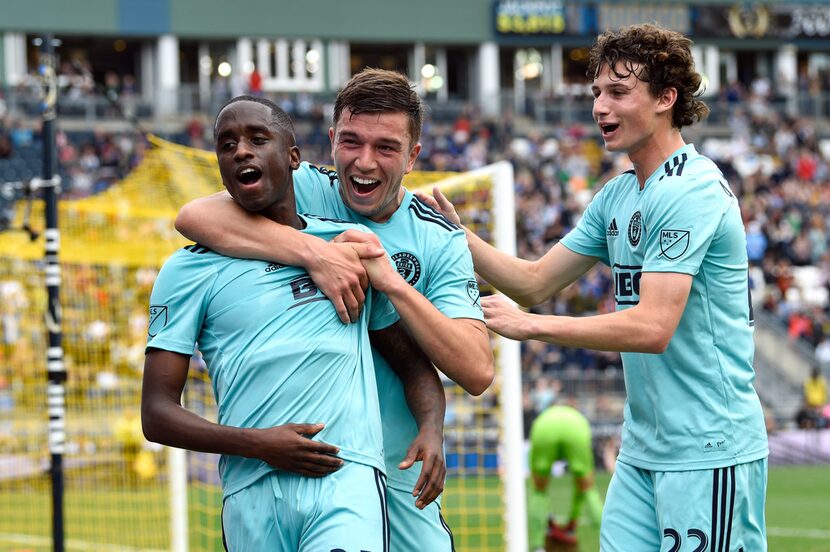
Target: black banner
x=744 y=20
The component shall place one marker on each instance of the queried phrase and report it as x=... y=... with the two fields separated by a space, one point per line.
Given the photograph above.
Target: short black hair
x=279 y=118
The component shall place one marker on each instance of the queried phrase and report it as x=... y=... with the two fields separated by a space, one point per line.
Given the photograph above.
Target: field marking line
x=820 y=534
x=72 y=544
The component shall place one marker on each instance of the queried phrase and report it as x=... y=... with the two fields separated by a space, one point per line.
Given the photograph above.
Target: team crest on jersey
x=473 y=293
x=408 y=266
x=635 y=229
x=158 y=319
x=674 y=243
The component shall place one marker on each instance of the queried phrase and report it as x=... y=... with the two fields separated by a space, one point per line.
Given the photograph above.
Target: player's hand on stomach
x=340 y=275
x=440 y=203
x=428 y=448
x=289 y=447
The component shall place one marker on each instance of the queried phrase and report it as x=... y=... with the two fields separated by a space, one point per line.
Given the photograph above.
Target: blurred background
x=505 y=81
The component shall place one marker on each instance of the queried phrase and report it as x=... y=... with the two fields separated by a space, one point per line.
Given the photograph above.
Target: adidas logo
x=612 y=228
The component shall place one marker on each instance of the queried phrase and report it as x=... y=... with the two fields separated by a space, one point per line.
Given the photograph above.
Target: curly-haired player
x=692 y=469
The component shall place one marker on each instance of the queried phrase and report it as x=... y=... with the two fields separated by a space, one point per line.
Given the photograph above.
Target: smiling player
x=692 y=469
x=375 y=140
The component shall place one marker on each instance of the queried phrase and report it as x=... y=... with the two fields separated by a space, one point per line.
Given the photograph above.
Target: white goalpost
x=502 y=234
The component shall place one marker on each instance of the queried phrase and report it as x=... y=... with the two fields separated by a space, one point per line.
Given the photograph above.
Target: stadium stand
x=776 y=164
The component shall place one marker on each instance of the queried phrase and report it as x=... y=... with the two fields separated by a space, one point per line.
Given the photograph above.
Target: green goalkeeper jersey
x=693 y=406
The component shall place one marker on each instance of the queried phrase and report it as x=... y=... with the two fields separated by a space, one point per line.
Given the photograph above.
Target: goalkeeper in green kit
x=562 y=433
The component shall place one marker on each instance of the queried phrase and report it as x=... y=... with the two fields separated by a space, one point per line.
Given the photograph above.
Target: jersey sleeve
x=315 y=193
x=178 y=302
x=682 y=220
x=381 y=314
x=588 y=237
x=452 y=285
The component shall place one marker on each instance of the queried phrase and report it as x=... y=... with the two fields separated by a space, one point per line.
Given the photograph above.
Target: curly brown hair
x=382 y=91
x=657 y=56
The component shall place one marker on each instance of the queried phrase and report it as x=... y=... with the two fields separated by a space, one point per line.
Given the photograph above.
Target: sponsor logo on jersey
x=273 y=267
x=473 y=293
x=635 y=229
x=627 y=284
x=409 y=267
x=304 y=291
x=158 y=319
x=673 y=243
x=612 y=229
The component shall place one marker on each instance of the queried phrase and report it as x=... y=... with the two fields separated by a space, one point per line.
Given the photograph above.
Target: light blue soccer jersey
x=693 y=406
x=275 y=349
x=432 y=255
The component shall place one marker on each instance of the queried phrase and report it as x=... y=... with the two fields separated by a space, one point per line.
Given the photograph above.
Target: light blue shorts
x=415 y=530
x=686 y=511
x=285 y=512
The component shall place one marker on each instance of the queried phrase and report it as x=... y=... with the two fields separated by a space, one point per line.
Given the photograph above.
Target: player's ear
x=413 y=155
x=294 y=157
x=666 y=99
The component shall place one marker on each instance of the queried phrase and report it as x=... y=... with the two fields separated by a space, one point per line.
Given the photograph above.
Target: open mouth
x=363 y=186
x=248 y=175
x=608 y=128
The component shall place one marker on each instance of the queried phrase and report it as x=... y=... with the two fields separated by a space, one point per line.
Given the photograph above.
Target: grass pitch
x=136 y=519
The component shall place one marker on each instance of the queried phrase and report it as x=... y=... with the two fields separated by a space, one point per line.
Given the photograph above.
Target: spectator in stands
x=6 y=149
x=255 y=83
x=812 y=414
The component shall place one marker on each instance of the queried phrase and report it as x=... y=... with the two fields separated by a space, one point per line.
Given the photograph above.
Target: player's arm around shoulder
x=220 y=223
x=526 y=282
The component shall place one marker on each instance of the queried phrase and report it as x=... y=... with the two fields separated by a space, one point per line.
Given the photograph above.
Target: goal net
x=122 y=493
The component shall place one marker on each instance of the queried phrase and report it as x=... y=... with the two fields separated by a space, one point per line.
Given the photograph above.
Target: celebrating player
x=375 y=141
x=692 y=467
x=295 y=387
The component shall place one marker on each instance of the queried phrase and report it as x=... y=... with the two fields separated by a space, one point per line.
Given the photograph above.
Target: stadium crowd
x=776 y=164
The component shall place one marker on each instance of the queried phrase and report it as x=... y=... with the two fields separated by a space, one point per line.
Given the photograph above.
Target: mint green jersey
x=693 y=406
x=275 y=348
x=432 y=255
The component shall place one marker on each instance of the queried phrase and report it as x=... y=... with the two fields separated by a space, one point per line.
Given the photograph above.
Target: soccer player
x=375 y=141
x=692 y=468
x=295 y=387
x=561 y=432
